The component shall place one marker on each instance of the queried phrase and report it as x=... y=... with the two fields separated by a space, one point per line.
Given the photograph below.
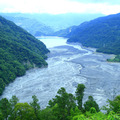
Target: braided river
x=68 y=65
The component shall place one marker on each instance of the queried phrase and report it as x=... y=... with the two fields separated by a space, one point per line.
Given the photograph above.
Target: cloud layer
x=113 y=2
x=61 y=6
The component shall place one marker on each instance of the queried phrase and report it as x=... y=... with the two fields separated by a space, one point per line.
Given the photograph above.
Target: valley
x=68 y=65
x=47 y=24
x=60 y=60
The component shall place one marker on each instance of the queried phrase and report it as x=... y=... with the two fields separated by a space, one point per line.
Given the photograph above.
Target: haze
x=60 y=6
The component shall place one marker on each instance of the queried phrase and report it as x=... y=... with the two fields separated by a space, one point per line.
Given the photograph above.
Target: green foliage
x=113 y=105
x=75 y=112
x=92 y=110
x=24 y=111
x=95 y=116
x=90 y=103
x=63 y=103
x=113 y=116
x=34 y=104
x=48 y=114
x=79 y=95
x=64 y=108
x=18 y=51
x=116 y=59
x=102 y=33
x=13 y=101
x=79 y=117
x=1 y=116
x=5 y=108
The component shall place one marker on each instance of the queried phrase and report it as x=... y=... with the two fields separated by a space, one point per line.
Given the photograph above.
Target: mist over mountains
x=46 y=24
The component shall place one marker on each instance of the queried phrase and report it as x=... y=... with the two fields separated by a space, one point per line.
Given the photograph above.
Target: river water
x=69 y=64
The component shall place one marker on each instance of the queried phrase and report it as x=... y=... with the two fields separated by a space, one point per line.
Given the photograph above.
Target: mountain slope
x=56 y=22
x=64 y=32
x=18 y=51
x=102 y=33
x=33 y=26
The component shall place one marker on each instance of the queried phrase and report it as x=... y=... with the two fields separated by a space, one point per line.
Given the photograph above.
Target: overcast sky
x=61 y=6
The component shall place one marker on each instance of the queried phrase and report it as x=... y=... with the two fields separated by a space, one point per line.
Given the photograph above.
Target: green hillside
x=32 y=25
x=102 y=33
x=19 y=51
x=54 y=21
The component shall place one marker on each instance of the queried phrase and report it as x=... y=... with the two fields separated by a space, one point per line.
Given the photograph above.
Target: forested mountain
x=56 y=22
x=32 y=25
x=18 y=51
x=102 y=33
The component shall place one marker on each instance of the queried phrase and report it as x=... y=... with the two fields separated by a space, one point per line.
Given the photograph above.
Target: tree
x=1 y=116
x=35 y=106
x=5 y=108
x=24 y=111
x=114 y=105
x=47 y=114
x=91 y=103
x=62 y=104
x=92 y=110
x=71 y=103
x=13 y=101
x=61 y=100
x=79 y=95
x=74 y=112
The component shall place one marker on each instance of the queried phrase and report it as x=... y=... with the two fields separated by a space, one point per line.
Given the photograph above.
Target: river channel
x=68 y=65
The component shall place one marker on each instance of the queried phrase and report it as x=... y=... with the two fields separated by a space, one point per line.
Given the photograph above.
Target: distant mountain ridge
x=19 y=51
x=33 y=26
x=102 y=33
x=46 y=24
x=64 y=32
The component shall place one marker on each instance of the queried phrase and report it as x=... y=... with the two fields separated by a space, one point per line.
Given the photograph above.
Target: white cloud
x=56 y=6
x=112 y=2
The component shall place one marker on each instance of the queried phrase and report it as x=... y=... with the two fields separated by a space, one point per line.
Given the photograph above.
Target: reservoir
x=68 y=65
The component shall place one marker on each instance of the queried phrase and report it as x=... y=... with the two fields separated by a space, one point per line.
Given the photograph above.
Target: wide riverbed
x=69 y=64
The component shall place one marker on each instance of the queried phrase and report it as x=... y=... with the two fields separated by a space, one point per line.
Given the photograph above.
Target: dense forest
x=102 y=33
x=65 y=106
x=19 y=51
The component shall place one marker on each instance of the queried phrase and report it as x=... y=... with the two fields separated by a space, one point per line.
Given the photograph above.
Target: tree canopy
x=62 y=107
x=102 y=33
x=19 y=51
